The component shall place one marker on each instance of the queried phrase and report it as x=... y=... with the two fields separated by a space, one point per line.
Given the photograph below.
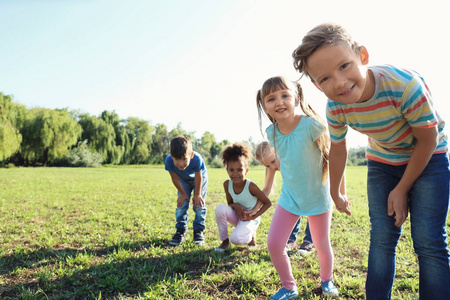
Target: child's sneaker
x=199 y=238
x=284 y=294
x=177 y=238
x=225 y=246
x=290 y=244
x=306 y=248
x=329 y=289
x=252 y=244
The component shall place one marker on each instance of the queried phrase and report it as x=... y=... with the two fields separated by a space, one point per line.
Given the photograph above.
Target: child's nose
x=341 y=81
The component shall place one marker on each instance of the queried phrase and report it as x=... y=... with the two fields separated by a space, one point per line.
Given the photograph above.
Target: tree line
x=59 y=137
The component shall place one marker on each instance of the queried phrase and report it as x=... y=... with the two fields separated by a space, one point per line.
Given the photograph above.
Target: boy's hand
x=181 y=199
x=198 y=200
x=342 y=204
x=398 y=205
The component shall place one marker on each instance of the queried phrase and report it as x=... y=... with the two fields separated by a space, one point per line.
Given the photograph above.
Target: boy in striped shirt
x=408 y=166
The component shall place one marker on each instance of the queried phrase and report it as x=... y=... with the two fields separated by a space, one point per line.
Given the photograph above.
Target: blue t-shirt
x=196 y=164
x=302 y=192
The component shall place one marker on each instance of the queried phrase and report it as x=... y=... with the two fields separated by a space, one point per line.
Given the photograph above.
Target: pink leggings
x=242 y=234
x=282 y=224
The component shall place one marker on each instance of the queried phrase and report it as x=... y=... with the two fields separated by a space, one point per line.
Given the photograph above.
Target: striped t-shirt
x=401 y=101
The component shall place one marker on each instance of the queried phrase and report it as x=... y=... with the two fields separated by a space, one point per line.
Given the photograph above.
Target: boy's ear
x=364 y=56
x=192 y=154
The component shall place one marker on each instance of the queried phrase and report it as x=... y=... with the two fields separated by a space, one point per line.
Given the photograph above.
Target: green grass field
x=102 y=233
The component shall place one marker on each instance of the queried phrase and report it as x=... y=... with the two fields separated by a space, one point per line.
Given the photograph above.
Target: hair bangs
x=275 y=84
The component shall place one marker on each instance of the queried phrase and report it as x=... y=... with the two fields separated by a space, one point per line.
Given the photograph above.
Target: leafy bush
x=81 y=156
x=357 y=157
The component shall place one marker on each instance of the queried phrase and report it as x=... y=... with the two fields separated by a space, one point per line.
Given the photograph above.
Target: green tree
x=48 y=135
x=115 y=153
x=100 y=136
x=210 y=149
x=179 y=131
x=160 y=144
x=11 y=117
x=357 y=157
x=207 y=141
x=140 y=134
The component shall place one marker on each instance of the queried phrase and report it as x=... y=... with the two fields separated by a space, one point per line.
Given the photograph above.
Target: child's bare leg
x=225 y=244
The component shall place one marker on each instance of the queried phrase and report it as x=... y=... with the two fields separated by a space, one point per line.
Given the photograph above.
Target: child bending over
x=408 y=167
x=188 y=173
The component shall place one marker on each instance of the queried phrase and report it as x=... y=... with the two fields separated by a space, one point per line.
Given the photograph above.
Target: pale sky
x=200 y=63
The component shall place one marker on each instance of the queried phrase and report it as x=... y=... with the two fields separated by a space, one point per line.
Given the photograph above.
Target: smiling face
x=237 y=169
x=280 y=104
x=340 y=73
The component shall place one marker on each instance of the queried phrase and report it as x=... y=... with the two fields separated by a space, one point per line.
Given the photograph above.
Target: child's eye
x=323 y=79
x=344 y=66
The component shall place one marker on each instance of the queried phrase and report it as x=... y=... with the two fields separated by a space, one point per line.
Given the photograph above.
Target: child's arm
x=197 y=199
x=268 y=181
x=262 y=198
x=182 y=194
x=427 y=141
x=255 y=208
x=337 y=161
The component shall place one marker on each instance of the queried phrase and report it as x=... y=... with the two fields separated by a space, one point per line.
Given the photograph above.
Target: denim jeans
x=293 y=236
x=428 y=205
x=181 y=213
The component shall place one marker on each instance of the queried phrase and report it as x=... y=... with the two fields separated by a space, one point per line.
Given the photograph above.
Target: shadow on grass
x=129 y=269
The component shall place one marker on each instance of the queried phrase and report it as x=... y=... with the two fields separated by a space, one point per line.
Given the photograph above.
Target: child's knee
x=274 y=245
x=221 y=209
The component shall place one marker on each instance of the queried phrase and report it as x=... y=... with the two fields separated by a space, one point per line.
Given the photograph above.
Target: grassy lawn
x=102 y=233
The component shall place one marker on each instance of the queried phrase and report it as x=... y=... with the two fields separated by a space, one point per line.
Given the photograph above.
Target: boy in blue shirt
x=188 y=172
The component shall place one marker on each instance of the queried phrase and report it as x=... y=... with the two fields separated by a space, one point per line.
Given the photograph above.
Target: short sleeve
x=416 y=104
x=169 y=165
x=270 y=134
x=316 y=129
x=337 y=125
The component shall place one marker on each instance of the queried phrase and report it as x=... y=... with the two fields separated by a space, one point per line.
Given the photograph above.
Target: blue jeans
x=295 y=230
x=181 y=213
x=428 y=205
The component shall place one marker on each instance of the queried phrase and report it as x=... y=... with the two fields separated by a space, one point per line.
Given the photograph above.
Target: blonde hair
x=262 y=149
x=322 y=35
x=281 y=83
